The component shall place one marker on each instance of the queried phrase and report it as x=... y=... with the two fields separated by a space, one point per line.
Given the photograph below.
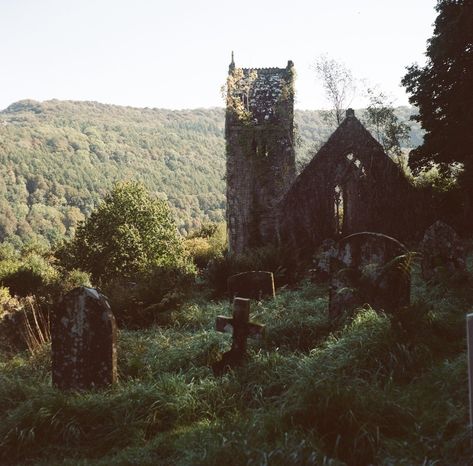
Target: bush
x=200 y=251
x=207 y=244
x=74 y=278
x=7 y=302
x=137 y=304
x=27 y=276
x=128 y=234
x=132 y=250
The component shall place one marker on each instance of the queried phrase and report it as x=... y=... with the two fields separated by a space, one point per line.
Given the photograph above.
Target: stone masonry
x=351 y=185
x=260 y=152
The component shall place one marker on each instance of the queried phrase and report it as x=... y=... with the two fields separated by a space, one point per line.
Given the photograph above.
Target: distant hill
x=59 y=158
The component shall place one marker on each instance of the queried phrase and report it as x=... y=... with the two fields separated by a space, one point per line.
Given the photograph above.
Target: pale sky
x=175 y=53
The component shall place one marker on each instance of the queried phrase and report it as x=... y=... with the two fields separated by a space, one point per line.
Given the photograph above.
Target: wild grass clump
x=36 y=326
x=96 y=423
x=341 y=391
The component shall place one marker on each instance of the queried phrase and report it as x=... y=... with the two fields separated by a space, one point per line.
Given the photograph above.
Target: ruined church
x=350 y=185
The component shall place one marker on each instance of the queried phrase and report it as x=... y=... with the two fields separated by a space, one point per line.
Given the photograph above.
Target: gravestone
x=442 y=250
x=251 y=285
x=370 y=268
x=326 y=253
x=84 y=341
x=242 y=328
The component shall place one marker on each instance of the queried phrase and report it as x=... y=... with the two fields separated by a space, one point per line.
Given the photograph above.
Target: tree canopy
x=442 y=91
x=380 y=118
x=129 y=233
x=339 y=85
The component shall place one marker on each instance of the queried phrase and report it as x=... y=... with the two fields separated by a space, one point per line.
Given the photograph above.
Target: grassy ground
x=370 y=389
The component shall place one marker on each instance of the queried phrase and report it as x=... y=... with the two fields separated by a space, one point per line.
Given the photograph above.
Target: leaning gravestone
x=83 y=336
x=370 y=268
x=251 y=285
x=442 y=249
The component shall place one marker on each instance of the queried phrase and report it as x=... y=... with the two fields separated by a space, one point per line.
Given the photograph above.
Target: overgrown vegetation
x=368 y=389
x=441 y=91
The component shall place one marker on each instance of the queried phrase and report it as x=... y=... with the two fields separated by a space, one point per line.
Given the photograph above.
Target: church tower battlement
x=259 y=132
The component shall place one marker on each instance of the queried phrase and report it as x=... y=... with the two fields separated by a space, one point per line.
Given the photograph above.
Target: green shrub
x=27 y=276
x=74 y=278
x=128 y=234
x=140 y=303
x=200 y=251
x=207 y=244
x=7 y=303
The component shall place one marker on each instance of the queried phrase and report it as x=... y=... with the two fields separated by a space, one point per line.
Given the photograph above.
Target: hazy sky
x=175 y=53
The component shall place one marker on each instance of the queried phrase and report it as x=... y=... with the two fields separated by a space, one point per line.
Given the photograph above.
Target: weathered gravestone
x=84 y=341
x=442 y=250
x=326 y=253
x=370 y=268
x=251 y=285
x=242 y=328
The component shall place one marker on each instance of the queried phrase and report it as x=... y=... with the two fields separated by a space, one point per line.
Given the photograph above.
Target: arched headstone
x=251 y=285
x=370 y=268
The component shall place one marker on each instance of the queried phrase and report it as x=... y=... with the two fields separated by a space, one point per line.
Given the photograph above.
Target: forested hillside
x=58 y=158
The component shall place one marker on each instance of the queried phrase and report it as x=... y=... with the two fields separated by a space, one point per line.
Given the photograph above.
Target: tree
x=338 y=84
x=129 y=233
x=442 y=91
x=384 y=124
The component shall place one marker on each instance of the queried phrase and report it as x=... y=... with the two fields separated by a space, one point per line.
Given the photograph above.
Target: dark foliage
x=442 y=91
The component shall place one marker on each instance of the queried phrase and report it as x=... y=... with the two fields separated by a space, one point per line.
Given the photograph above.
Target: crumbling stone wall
x=260 y=166
x=372 y=191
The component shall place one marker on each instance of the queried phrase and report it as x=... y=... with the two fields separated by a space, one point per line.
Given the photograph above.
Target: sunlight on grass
x=371 y=388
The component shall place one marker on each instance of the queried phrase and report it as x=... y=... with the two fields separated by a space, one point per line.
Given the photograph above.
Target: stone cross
x=251 y=285
x=84 y=341
x=242 y=328
x=469 y=340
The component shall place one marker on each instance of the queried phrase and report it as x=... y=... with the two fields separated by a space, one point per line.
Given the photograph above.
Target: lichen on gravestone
x=83 y=339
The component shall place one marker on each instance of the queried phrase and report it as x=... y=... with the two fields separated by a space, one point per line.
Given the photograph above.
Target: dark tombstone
x=84 y=341
x=370 y=268
x=251 y=285
x=242 y=328
x=442 y=249
x=326 y=253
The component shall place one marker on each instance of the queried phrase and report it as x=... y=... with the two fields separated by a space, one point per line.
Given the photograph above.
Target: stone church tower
x=259 y=132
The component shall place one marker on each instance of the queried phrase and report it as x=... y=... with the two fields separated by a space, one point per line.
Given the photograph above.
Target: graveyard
x=373 y=388
x=253 y=285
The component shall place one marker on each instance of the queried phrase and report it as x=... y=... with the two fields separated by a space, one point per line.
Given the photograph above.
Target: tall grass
x=36 y=325
x=368 y=389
